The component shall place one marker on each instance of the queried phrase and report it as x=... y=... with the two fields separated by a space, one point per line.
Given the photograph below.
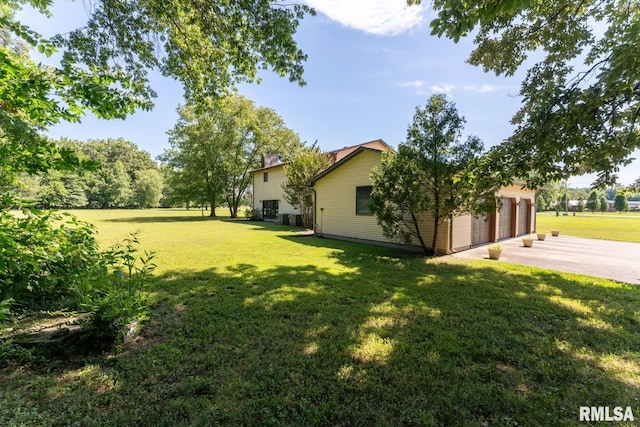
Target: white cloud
x=480 y=89
x=384 y=17
x=445 y=88
x=417 y=84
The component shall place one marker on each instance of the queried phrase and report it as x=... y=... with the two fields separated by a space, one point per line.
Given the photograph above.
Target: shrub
x=253 y=214
x=51 y=261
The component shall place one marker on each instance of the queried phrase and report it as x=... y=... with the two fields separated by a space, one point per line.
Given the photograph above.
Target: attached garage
x=524 y=216
x=481 y=230
x=341 y=211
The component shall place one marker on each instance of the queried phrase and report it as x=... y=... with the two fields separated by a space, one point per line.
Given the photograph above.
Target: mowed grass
x=623 y=227
x=253 y=325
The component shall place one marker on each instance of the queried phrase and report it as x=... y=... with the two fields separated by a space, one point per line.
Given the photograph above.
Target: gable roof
x=270 y=167
x=381 y=141
x=334 y=154
x=344 y=160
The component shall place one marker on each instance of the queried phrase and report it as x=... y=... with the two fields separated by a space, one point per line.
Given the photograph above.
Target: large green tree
x=215 y=146
x=208 y=46
x=307 y=163
x=434 y=173
x=581 y=94
x=147 y=188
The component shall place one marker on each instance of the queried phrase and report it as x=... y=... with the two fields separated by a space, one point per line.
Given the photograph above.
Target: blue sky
x=370 y=63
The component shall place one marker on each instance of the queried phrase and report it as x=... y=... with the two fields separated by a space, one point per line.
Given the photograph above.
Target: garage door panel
x=506 y=218
x=481 y=230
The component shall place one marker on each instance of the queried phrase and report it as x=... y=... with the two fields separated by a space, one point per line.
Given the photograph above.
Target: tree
x=604 y=204
x=581 y=97
x=249 y=133
x=433 y=173
x=564 y=202
x=208 y=46
x=592 y=201
x=307 y=163
x=635 y=186
x=52 y=193
x=216 y=146
x=147 y=188
x=620 y=203
x=110 y=187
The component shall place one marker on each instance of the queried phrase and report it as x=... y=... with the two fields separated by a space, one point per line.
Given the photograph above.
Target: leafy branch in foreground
x=581 y=97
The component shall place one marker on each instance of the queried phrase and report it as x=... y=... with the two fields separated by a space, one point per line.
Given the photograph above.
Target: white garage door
x=523 y=217
x=506 y=216
x=480 y=230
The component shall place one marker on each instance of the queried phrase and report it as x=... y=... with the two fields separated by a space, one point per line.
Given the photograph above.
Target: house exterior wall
x=271 y=190
x=461 y=234
x=426 y=225
x=335 y=212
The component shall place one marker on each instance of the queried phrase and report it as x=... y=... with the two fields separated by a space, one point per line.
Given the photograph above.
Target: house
x=268 y=180
x=341 y=212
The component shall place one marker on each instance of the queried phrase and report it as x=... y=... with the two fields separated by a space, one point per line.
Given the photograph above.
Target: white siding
x=271 y=190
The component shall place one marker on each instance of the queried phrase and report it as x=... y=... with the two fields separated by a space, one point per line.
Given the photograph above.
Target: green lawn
x=253 y=325
x=611 y=226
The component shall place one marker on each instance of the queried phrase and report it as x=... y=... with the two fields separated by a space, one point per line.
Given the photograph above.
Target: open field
x=253 y=325
x=612 y=226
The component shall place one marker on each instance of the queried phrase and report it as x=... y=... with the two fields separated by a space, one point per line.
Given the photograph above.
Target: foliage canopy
x=434 y=175
x=215 y=147
x=307 y=163
x=581 y=93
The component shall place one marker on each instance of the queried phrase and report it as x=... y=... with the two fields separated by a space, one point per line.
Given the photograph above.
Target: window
x=362 y=200
x=265 y=177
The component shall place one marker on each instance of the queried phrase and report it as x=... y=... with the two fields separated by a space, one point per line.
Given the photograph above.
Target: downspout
x=315 y=211
x=451 y=251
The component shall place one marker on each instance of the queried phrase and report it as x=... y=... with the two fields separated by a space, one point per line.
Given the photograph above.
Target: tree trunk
x=418 y=234
x=434 y=244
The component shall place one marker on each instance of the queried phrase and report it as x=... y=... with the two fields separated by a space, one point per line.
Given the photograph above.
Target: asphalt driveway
x=600 y=258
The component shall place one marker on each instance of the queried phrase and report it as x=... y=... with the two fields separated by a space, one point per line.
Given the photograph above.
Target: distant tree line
x=555 y=196
x=111 y=173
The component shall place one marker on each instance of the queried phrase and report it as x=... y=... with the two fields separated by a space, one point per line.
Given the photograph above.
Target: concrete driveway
x=600 y=258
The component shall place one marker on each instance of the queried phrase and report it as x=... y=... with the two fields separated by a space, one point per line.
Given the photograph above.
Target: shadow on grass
x=392 y=340
x=161 y=219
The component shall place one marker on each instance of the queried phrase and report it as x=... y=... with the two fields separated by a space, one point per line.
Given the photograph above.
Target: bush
x=52 y=261
x=44 y=257
x=253 y=214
